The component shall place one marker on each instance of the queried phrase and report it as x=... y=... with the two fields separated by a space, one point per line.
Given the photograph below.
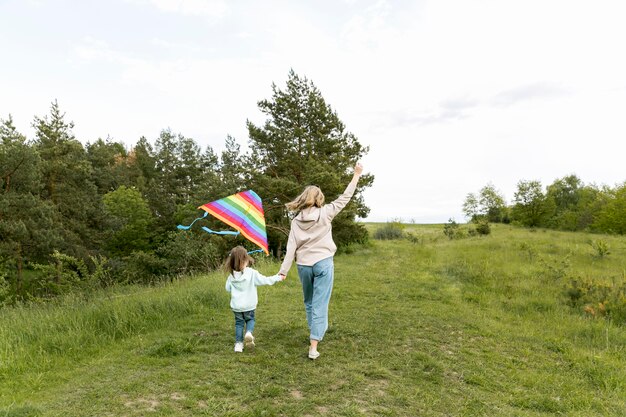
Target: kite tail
x=255 y=251
x=206 y=229
x=223 y=232
x=181 y=227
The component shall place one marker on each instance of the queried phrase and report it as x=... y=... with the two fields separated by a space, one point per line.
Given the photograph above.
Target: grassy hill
x=478 y=326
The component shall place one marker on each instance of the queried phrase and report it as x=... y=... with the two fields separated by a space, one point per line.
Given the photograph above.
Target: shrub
x=529 y=250
x=601 y=248
x=390 y=231
x=452 y=230
x=5 y=290
x=413 y=238
x=556 y=268
x=482 y=227
x=188 y=252
x=64 y=274
x=143 y=268
x=599 y=297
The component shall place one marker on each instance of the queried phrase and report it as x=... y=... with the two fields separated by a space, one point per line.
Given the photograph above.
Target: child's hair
x=237 y=260
x=311 y=196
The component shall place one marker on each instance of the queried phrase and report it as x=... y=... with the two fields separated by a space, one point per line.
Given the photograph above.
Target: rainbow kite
x=242 y=211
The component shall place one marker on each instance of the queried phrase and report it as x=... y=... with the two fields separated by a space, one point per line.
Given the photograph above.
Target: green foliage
x=112 y=166
x=101 y=275
x=142 y=268
x=611 y=218
x=61 y=276
x=390 y=231
x=530 y=204
x=556 y=268
x=601 y=248
x=5 y=288
x=414 y=238
x=599 y=297
x=482 y=227
x=567 y=204
x=187 y=252
x=489 y=204
x=74 y=216
x=131 y=220
x=529 y=250
x=177 y=173
x=67 y=182
x=452 y=230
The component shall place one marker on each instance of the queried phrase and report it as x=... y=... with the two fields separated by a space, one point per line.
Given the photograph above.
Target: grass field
x=434 y=327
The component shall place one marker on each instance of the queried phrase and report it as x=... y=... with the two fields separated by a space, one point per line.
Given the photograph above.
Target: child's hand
x=282 y=277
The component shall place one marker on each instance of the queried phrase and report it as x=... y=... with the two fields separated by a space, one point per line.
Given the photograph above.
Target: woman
x=311 y=244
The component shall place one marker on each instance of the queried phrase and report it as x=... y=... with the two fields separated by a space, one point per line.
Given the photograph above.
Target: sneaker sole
x=313 y=357
x=249 y=342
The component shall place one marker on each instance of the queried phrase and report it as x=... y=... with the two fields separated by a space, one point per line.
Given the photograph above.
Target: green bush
x=64 y=274
x=187 y=252
x=599 y=297
x=556 y=269
x=413 y=238
x=482 y=227
x=601 y=248
x=390 y=231
x=143 y=268
x=453 y=230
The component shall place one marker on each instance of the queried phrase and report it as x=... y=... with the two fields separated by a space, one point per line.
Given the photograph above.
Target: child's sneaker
x=249 y=340
x=313 y=354
x=239 y=347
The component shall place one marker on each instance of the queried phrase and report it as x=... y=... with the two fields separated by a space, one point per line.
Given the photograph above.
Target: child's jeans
x=241 y=318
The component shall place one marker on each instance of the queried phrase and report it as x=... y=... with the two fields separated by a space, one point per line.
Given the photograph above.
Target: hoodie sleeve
x=228 y=286
x=332 y=209
x=260 y=279
x=291 y=253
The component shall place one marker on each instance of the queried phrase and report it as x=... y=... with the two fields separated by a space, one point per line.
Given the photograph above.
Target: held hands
x=282 y=277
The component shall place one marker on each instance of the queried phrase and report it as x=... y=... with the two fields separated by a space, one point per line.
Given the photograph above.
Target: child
x=241 y=283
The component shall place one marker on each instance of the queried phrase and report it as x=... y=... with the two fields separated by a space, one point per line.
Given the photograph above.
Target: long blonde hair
x=312 y=196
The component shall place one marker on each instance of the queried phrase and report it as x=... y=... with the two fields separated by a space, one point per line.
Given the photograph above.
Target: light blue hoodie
x=242 y=288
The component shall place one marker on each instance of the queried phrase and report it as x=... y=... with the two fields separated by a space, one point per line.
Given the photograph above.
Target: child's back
x=242 y=287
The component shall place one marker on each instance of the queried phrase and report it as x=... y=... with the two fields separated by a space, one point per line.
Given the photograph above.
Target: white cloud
x=212 y=9
x=528 y=92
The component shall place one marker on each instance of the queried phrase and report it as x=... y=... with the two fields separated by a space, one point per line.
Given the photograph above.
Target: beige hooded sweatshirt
x=310 y=238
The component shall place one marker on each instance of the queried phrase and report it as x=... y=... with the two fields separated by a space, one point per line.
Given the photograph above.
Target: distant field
x=479 y=326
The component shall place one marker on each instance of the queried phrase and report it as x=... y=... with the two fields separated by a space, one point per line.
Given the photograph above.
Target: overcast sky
x=449 y=95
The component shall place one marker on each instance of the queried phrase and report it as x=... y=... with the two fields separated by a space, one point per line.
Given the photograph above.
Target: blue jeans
x=317 y=286
x=241 y=318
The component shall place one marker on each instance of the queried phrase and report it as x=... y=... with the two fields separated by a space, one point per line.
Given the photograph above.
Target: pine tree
x=28 y=225
x=304 y=142
x=68 y=185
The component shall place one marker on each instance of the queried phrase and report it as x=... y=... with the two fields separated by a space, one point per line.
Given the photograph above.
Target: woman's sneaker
x=313 y=354
x=239 y=347
x=249 y=340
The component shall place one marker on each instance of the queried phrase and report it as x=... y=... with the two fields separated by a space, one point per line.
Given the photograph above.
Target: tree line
x=76 y=216
x=566 y=204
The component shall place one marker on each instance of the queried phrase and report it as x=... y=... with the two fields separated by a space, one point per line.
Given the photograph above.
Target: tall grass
x=478 y=326
x=32 y=336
